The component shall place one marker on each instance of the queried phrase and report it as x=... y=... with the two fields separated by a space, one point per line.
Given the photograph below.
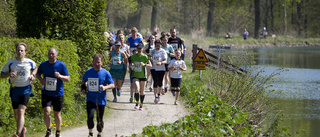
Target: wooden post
x=194 y=53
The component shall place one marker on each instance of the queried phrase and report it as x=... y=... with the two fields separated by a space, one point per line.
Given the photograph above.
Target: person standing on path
x=52 y=73
x=245 y=34
x=117 y=58
x=22 y=72
x=159 y=59
x=176 y=66
x=95 y=82
x=138 y=65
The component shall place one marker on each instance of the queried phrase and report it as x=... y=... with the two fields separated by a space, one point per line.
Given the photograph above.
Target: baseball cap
x=140 y=45
x=117 y=43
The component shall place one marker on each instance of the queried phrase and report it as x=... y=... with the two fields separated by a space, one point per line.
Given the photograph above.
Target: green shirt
x=138 y=70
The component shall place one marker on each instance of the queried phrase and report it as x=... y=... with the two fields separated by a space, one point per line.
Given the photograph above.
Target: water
x=300 y=85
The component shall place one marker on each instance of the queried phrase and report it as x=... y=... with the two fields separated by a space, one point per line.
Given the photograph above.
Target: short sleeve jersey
x=175 y=42
x=177 y=64
x=115 y=59
x=54 y=86
x=158 y=56
x=138 y=70
x=22 y=68
x=95 y=79
x=131 y=44
x=170 y=50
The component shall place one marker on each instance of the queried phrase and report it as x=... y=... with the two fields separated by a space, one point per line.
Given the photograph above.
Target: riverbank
x=272 y=45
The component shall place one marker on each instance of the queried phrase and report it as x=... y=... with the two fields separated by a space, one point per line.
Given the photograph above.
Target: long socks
x=142 y=99
x=114 y=91
x=136 y=96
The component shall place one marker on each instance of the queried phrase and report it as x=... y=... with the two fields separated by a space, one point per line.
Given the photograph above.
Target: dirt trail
x=125 y=120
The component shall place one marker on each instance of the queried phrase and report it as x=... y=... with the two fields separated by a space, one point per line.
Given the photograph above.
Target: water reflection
x=300 y=86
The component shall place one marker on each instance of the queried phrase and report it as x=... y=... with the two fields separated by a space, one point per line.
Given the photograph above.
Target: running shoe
x=141 y=108
x=90 y=134
x=48 y=134
x=150 y=89
x=166 y=89
x=162 y=92
x=131 y=99
x=15 y=135
x=119 y=93
x=115 y=100
x=136 y=107
x=156 y=100
x=23 y=132
x=176 y=102
x=58 y=135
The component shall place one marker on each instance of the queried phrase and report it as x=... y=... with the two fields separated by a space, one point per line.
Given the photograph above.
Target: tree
x=210 y=17
x=118 y=10
x=257 y=18
x=81 y=21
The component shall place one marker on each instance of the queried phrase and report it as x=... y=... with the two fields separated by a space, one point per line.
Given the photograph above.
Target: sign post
x=219 y=49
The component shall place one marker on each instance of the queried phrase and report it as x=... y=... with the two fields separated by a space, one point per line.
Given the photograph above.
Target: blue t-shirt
x=170 y=50
x=131 y=44
x=54 y=86
x=95 y=79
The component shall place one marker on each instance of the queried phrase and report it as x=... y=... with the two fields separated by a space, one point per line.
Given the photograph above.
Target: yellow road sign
x=200 y=66
x=200 y=57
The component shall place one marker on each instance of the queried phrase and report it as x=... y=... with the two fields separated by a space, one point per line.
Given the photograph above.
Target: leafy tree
x=81 y=21
x=7 y=19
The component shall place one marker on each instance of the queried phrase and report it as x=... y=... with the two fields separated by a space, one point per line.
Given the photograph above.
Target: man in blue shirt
x=52 y=73
x=96 y=81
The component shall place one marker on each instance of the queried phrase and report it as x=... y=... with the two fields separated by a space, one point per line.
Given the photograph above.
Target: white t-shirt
x=158 y=56
x=23 y=70
x=177 y=64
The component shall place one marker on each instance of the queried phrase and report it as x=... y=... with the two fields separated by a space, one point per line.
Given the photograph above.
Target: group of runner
x=160 y=58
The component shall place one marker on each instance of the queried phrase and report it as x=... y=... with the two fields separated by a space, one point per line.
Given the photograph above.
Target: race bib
x=137 y=67
x=22 y=75
x=174 y=46
x=155 y=60
x=93 y=84
x=51 y=84
x=177 y=71
x=115 y=60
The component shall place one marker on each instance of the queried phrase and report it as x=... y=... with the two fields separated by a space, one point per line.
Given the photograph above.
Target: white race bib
x=177 y=71
x=22 y=75
x=156 y=59
x=115 y=60
x=93 y=84
x=51 y=84
x=137 y=67
x=174 y=46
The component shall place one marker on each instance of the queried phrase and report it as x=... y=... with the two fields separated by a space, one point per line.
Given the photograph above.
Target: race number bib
x=93 y=84
x=174 y=46
x=22 y=75
x=51 y=84
x=177 y=71
x=115 y=60
x=156 y=59
x=137 y=67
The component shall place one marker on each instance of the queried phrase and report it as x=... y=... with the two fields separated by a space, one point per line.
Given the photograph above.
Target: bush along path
x=125 y=120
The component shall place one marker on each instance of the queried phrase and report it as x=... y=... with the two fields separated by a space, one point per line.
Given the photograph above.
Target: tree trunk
x=210 y=18
x=257 y=19
x=154 y=15
x=272 y=16
x=299 y=18
x=134 y=18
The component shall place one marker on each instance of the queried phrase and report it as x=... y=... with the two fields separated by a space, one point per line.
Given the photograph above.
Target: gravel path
x=125 y=120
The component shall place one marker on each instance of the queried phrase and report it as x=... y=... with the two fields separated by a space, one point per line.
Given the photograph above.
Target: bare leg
x=47 y=119
x=57 y=119
x=19 y=116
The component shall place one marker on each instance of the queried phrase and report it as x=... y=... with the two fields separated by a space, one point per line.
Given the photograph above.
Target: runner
x=97 y=79
x=52 y=73
x=117 y=58
x=170 y=52
x=175 y=41
x=19 y=70
x=184 y=49
x=176 y=66
x=159 y=59
x=138 y=65
x=146 y=50
x=130 y=72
